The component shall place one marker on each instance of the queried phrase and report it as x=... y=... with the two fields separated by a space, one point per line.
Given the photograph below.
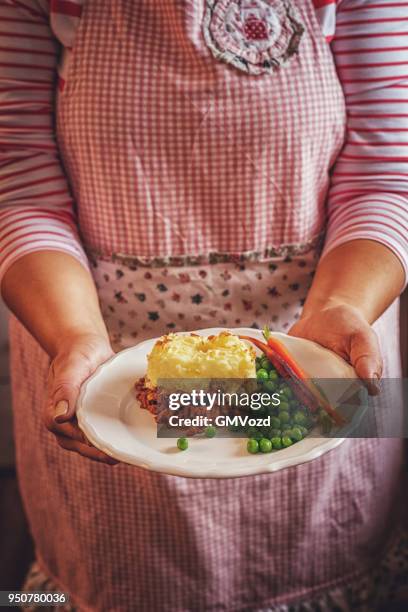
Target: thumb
x=64 y=402
x=65 y=388
x=365 y=357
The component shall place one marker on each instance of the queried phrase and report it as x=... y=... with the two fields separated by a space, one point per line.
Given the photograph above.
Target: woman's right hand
x=55 y=297
x=78 y=358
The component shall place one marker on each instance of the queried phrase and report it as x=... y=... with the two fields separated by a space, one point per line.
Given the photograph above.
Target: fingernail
x=375 y=384
x=61 y=409
x=376 y=379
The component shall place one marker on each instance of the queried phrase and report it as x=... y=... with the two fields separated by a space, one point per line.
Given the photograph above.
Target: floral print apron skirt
x=201 y=132
x=140 y=301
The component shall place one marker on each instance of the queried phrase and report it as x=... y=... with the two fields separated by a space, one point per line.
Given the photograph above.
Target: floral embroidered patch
x=256 y=36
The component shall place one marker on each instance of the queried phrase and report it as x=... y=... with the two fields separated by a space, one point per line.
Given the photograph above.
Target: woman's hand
x=55 y=298
x=343 y=329
x=77 y=359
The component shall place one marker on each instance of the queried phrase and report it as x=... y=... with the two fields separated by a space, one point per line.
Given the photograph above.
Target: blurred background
x=16 y=549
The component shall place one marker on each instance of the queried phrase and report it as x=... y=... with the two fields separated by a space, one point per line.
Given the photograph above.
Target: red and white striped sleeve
x=36 y=208
x=368 y=197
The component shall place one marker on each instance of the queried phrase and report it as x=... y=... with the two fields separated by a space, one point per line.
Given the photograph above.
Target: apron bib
x=197 y=137
x=171 y=151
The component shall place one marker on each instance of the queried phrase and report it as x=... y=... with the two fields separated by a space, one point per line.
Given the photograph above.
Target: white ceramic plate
x=111 y=418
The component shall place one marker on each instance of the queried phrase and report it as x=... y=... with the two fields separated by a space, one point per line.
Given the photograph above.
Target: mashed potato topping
x=192 y=356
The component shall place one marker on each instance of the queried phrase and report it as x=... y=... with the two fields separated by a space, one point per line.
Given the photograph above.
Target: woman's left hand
x=343 y=329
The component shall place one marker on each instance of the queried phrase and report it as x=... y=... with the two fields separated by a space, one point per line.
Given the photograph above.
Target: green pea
x=258 y=410
x=296 y=434
x=284 y=406
x=286 y=441
x=275 y=422
x=275 y=433
x=273 y=375
x=210 y=431
x=276 y=442
x=252 y=446
x=284 y=417
x=288 y=393
x=266 y=364
x=269 y=385
x=269 y=411
x=258 y=361
x=262 y=374
x=286 y=433
x=182 y=444
x=265 y=445
x=300 y=418
x=304 y=430
x=254 y=433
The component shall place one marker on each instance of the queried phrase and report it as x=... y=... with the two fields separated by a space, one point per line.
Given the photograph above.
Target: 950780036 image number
x=32 y=598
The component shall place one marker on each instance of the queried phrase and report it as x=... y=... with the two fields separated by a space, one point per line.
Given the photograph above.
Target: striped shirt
x=368 y=197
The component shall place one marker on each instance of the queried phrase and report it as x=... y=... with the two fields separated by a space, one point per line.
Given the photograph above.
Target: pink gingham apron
x=200 y=180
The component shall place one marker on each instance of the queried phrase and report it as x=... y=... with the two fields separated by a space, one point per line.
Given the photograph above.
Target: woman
x=197 y=138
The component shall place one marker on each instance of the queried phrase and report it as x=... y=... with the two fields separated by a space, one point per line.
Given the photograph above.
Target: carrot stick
x=289 y=369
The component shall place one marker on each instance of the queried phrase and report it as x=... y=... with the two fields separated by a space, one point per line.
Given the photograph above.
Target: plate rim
x=182 y=470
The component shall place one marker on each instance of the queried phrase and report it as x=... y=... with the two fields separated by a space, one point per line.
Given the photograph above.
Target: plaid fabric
x=384 y=588
x=159 y=139
x=176 y=148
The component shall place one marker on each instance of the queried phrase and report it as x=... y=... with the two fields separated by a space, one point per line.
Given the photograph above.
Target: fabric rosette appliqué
x=256 y=36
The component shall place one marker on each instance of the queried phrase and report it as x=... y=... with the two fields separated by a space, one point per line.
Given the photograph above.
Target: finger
x=66 y=378
x=64 y=398
x=58 y=413
x=365 y=356
x=86 y=451
x=68 y=430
